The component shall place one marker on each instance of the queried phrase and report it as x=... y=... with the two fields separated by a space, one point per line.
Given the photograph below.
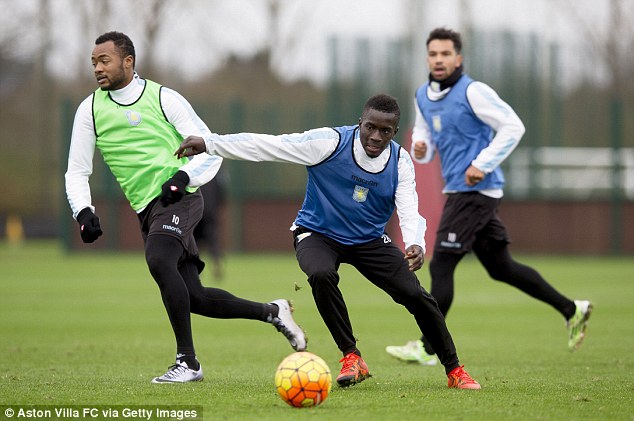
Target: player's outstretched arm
x=192 y=145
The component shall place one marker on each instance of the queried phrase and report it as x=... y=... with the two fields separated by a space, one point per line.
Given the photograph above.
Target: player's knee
x=196 y=305
x=436 y=269
x=409 y=298
x=162 y=254
x=417 y=301
x=323 y=278
x=157 y=264
x=444 y=302
x=495 y=274
x=499 y=271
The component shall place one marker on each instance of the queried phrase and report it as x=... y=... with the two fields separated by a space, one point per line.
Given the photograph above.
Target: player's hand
x=420 y=149
x=415 y=257
x=192 y=145
x=473 y=176
x=89 y=227
x=173 y=189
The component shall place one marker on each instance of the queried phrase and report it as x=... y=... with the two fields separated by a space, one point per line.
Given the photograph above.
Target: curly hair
x=445 y=33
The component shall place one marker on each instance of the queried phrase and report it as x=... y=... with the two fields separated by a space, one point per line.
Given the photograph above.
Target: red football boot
x=354 y=370
x=460 y=379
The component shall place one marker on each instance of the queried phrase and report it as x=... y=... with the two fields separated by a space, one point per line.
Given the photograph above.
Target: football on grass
x=303 y=379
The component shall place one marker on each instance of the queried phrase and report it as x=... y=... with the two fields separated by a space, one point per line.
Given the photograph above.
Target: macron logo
x=171 y=228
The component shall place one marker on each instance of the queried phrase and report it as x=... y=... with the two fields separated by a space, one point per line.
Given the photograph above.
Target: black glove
x=89 y=227
x=173 y=189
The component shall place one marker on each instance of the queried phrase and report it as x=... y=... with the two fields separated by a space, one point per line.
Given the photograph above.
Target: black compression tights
x=500 y=266
x=183 y=293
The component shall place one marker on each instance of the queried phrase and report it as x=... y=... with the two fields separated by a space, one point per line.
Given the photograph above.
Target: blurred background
x=278 y=66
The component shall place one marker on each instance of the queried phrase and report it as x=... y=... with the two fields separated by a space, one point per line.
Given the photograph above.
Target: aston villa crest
x=436 y=123
x=134 y=118
x=360 y=194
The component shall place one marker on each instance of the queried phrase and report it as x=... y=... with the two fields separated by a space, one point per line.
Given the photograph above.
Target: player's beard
x=117 y=80
x=450 y=80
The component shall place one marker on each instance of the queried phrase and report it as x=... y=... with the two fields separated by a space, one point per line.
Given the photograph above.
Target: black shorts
x=176 y=220
x=468 y=218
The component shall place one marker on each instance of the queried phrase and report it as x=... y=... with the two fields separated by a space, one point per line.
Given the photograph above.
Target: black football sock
x=274 y=311
x=189 y=359
x=218 y=303
x=501 y=266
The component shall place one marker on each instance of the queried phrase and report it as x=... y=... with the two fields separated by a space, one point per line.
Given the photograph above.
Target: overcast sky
x=200 y=34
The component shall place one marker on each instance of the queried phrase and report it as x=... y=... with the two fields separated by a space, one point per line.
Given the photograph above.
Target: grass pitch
x=89 y=330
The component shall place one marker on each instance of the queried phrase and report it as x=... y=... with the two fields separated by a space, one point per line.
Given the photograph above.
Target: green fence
x=523 y=69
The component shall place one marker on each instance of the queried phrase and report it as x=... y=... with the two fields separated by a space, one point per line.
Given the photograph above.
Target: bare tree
x=274 y=23
x=281 y=45
x=44 y=97
x=95 y=18
x=153 y=27
x=614 y=46
x=466 y=16
x=13 y=39
x=619 y=51
x=93 y=21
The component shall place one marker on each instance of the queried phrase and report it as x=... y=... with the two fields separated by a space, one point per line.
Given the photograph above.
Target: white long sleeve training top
x=314 y=146
x=178 y=112
x=493 y=111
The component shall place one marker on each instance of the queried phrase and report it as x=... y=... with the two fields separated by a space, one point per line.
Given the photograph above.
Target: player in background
x=136 y=124
x=207 y=232
x=473 y=131
x=357 y=176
